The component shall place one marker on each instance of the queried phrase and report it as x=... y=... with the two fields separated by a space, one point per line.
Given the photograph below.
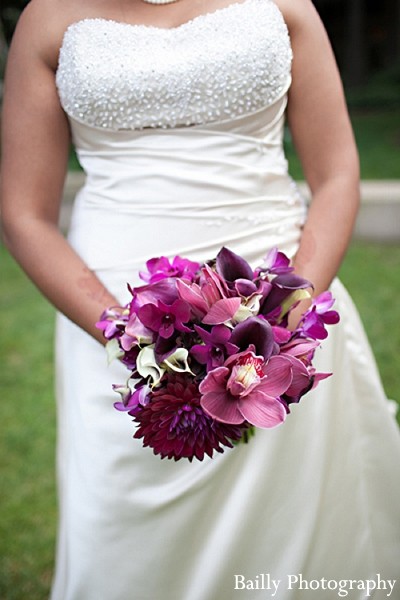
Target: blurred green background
x=366 y=39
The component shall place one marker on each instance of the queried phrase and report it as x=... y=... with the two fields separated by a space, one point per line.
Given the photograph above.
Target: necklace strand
x=160 y=1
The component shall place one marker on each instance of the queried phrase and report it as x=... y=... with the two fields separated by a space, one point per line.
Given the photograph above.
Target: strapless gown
x=180 y=134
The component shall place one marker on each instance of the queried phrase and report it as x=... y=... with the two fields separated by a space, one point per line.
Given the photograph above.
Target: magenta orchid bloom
x=246 y=388
x=162 y=268
x=275 y=263
x=164 y=290
x=216 y=346
x=113 y=322
x=165 y=319
x=319 y=314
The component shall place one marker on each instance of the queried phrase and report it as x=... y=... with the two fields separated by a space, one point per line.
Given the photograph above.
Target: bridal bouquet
x=209 y=351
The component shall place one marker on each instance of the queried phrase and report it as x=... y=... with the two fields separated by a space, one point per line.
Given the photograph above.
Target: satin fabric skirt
x=316 y=497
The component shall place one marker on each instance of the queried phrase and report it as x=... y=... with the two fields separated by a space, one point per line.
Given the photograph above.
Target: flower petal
x=192 y=294
x=113 y=350
x=254 y=331
x=244 y=287
x=232 y=266
x=221 y=407
x=278 y=376
x=164 y=290
x=177 y=361
x=301 y=378
x=147 y=366
x=215 y=380
x=262 y=410
x=222 y=311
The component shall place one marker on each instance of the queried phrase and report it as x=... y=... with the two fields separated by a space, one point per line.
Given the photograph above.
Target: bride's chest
x=217 y=66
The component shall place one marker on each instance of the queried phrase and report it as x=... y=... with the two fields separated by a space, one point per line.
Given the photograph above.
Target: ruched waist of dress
x=188 y=190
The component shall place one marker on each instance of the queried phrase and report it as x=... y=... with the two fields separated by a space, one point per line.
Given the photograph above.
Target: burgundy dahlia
x=175 y=426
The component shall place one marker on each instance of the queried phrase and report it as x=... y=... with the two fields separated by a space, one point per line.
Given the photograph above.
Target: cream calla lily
x=177 y=361
x=147 y=366
x=294 y=297
x=113 y=350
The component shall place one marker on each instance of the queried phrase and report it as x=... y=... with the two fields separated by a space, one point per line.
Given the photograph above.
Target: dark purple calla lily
x=282 y=287
x=256 y=332
x=232 y=267
x=245 y=288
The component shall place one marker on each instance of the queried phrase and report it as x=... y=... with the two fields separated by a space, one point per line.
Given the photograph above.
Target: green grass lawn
x=378 y=139
x=27 y=501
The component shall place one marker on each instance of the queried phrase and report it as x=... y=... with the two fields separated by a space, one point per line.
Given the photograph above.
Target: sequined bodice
x=218 y=66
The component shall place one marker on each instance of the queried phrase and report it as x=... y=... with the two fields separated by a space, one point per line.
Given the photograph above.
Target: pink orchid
x=209 y=299
x=164 y=290
x=246 y=388
x=161 y=268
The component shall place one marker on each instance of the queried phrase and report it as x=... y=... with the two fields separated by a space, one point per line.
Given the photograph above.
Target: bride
x=177 y=113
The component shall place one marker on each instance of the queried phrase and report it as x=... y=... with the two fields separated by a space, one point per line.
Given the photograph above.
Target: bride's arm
x=324 y=140
x=35 y=145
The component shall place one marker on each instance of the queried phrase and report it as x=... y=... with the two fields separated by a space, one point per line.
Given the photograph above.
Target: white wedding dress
x=180 y=134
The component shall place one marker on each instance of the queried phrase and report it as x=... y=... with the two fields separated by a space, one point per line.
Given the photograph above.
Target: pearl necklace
x=159 y=1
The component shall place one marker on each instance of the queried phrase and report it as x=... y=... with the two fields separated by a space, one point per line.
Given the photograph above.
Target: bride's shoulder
x=41 y=27
x=296 y=12
x=46 y=14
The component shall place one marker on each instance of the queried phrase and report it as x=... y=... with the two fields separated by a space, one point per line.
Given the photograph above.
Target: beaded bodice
x=218 y=66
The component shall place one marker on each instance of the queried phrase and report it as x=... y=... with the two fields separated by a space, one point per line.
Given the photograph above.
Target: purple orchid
x=281 y=335
x=135 y=333
x=246 y=388
x=113 y=321
x=164 y=319
x=161 y=268
x=319 y=314
x=131 y=397
x=275 y=263
x=216 y=346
